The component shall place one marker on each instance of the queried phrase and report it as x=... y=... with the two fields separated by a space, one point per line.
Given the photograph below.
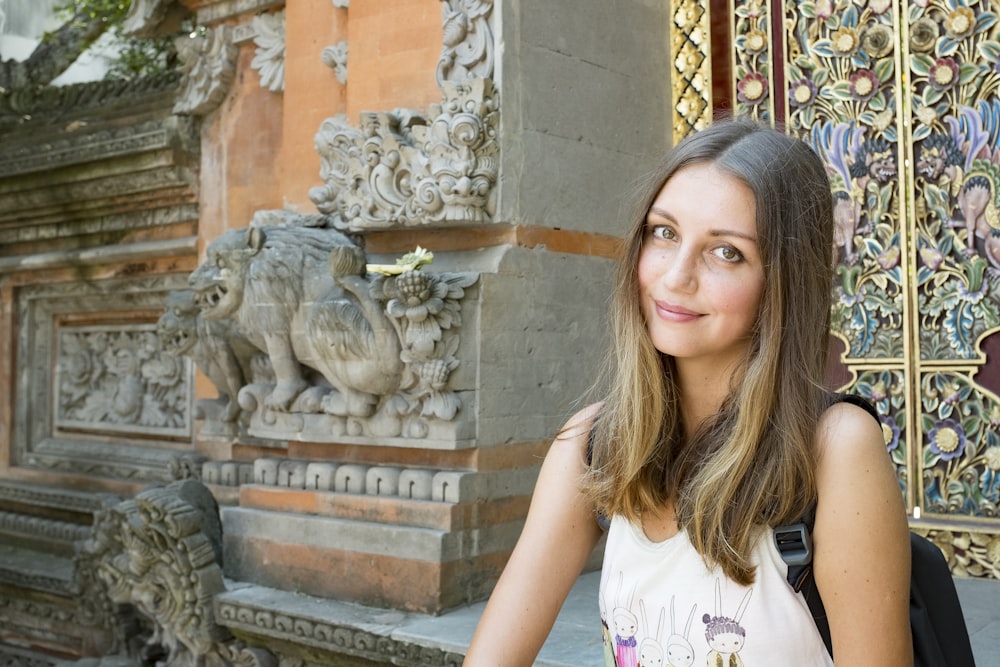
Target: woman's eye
x=661 y=232
x=729 y=253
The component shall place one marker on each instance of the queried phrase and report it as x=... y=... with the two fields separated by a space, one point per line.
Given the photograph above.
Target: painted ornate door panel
x=900 y=98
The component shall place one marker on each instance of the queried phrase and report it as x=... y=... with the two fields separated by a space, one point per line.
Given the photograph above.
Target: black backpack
x=940 y=638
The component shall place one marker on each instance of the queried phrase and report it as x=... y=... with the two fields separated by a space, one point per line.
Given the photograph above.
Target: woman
x=714 y=428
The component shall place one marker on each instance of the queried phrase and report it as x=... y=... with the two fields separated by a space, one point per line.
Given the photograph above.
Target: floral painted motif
x=910 y=131
x=962 y=450
x=947 y=439
x=754 y=97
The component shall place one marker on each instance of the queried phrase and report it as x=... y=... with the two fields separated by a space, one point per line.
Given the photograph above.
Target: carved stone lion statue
x=298 y=292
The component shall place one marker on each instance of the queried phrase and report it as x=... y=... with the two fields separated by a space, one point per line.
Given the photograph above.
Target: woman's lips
x=674 y=313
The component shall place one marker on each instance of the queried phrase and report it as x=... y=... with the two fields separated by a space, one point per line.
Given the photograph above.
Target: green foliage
x=135 y=56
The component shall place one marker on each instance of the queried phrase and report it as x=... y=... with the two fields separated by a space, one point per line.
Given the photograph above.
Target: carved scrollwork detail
x=349 y=353
x=467 y=49
x=401 y=168
x=208 y=65
x=405 y=168
x=269 y=58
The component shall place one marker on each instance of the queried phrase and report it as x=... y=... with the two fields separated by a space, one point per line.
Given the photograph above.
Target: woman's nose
x=679 y=273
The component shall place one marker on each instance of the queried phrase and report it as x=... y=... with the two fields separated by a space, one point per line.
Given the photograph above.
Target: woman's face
x=700 y=272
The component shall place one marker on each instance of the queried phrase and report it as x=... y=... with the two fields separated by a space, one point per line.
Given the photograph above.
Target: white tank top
x=661 y=607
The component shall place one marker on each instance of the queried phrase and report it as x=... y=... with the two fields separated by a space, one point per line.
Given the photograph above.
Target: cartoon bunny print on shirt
x=624 y=624
x=608 y=643
x=724 y=634
x=650 y=648
x=680 y=653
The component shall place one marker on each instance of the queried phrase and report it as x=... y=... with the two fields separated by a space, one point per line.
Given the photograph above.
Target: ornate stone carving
x=335 y=57
x=160 y=554
x=114 y=378
x=402 y=168
x=467 y=49
x=269 y=59
x=208 y=65
x=365 y=354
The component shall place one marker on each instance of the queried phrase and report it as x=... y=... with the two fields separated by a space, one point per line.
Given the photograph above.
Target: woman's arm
x=559 y=534
x=861 y=540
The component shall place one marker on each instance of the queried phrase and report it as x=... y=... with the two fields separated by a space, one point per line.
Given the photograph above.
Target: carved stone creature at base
x=160 y=555
x=216 y=347
x=297 y=291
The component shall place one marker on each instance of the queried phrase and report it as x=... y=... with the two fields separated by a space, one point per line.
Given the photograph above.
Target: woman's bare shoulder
x=847 y=431
x=580 y=424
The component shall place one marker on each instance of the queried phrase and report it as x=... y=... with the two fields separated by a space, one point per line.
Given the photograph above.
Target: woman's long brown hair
x=752 y=465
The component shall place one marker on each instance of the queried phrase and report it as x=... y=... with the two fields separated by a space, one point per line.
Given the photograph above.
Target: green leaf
x=946 y=46
x=921 y=64
x=985 y=21
x=884 y=69
x=967 y=72
x=841 y=90
x=989 y=51
x=932 y=95
x=823 y=47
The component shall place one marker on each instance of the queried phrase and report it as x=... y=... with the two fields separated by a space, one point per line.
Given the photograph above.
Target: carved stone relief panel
x=119 y=378
x=98 y=391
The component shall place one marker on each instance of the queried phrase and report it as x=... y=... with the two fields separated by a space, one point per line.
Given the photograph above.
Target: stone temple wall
x=304 y=317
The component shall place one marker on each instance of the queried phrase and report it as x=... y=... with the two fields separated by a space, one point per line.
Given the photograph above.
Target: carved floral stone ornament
x=269 y=58
x=335 y=57
x=403 y=168
x=292 y=325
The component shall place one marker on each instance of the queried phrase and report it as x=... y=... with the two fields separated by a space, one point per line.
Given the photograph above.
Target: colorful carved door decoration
x=900 y=98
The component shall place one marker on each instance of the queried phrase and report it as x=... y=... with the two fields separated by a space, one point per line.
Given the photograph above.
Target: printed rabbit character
x=650 y=649
x=680 y=653
x=724 y=634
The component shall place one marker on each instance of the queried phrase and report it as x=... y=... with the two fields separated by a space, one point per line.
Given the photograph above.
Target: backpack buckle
x=794 y=544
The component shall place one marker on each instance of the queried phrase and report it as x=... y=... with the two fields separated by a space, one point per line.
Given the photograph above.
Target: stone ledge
x=34 y=570
x=261 y=615
x=257 y=614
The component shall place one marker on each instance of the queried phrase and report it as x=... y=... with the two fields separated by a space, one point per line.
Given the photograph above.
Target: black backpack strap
x=794 y=543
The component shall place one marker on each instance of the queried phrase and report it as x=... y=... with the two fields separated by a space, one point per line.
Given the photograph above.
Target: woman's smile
x=675 y=313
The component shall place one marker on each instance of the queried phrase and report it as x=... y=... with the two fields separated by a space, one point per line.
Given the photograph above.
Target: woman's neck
x=703 y=389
